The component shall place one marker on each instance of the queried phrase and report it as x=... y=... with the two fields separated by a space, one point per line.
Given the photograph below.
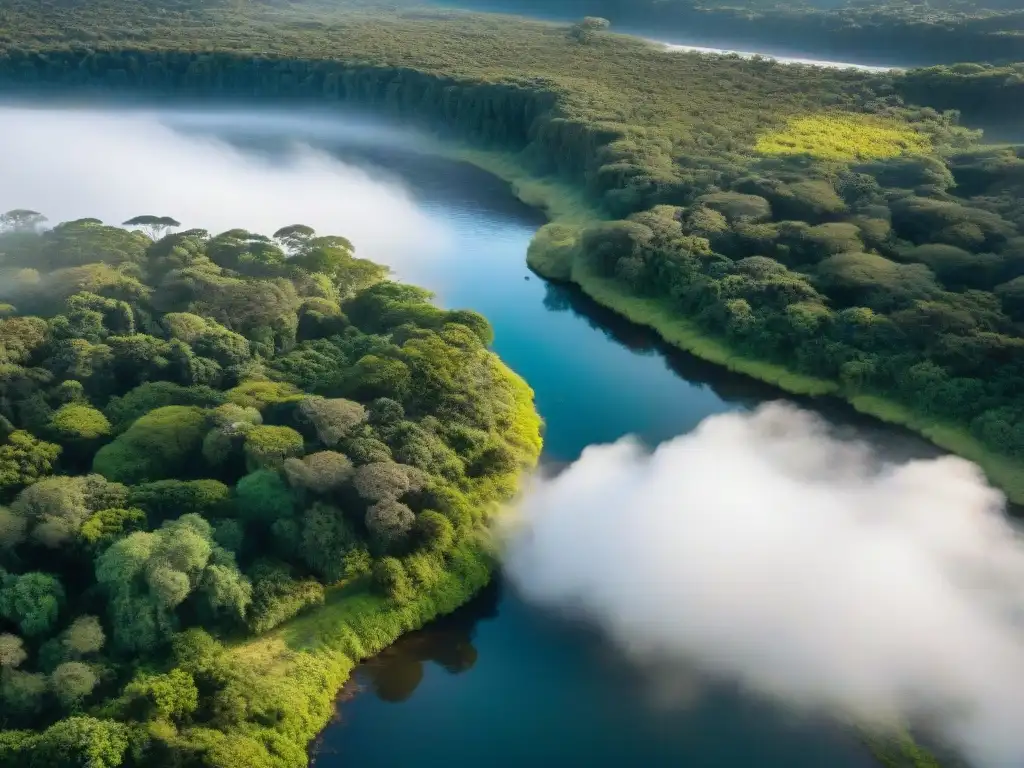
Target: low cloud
x=115 y=164
x=761 y=549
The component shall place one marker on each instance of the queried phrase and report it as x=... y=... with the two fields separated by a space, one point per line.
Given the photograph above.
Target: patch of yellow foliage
x=844 y=137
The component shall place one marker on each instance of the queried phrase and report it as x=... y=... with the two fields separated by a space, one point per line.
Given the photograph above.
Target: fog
x=762 y=550
x=115 y=164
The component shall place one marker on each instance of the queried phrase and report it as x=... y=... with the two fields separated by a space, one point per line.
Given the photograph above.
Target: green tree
x=85 y=636
x=74 y=422
x=72 y=682
x=333 y=419
x=164 y=443
x=24 y=459
x=172 y=696
x=33 y=601
x=12 y=651
x=154 y=226
x=323 y=472
x=269 y=447
x=84 y=741
x=263 y=496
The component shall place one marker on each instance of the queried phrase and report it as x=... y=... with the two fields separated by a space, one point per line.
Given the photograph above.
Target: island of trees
x=203 y=438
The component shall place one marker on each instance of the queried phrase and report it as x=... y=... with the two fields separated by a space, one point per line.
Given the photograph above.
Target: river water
x=500 y=683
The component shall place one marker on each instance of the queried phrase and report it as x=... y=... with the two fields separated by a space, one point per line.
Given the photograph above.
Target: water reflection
x=394 y=675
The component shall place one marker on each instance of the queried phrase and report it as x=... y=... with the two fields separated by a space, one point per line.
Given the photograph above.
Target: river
x=500 y=683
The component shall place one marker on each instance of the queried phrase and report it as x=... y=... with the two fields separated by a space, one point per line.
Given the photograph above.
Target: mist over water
x=761 y=549
x=115 y=164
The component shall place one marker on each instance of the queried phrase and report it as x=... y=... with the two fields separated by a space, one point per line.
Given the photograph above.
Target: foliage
x=24 y=459
x=161 y=444
x=843 y=138
x=79 y=422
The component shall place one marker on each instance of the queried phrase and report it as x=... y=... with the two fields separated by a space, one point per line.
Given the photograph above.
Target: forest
x=903 y=33
x=205 y=437
x=851 y=240
x=834 y=232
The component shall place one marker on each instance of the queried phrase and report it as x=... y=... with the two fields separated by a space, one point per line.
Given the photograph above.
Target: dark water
x=500 y=683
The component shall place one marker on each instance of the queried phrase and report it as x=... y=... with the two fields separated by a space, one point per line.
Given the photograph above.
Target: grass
x=678 y=331
x=1001 y=471
x=843 y=137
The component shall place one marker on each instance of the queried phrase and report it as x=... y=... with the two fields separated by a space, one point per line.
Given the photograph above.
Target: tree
x=389 y=523
x=269 y=447
x=166 y=499
x=161 y=444
x=327 y=539
x=586 y=30
x=22 y=693
x=295 y=236
x=172 y=696
x=383 y=480
x=323 y=472
x=83 y=741
x=12 y=529
x=123 y=411
x=435 y=531
x=148 y=575
x=21 y=220
x=264 y=497
x=154 y=226
x=33 y=601
x=333 y=419
x=54 y=509
x=390 y=580
x=77 y=422
x=12 y=651
x=72 y=682
x=25 y=459
x=84 y=636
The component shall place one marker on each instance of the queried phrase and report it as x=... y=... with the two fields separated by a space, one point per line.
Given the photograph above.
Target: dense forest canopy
x=942 y=31
x=209 y=430
x=204 y=436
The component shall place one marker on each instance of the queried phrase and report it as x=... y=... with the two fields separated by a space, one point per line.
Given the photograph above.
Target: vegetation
x=844 y=138
x=902 y=32
x=882 y=262
x=204 y=437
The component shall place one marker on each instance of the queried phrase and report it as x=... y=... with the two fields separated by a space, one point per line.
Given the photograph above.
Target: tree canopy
x=180 y=466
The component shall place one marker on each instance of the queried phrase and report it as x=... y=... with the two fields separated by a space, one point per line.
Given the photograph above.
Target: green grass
x=681 y=333
x=1001 y=471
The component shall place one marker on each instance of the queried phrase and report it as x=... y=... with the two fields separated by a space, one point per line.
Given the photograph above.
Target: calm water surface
x=500 y=683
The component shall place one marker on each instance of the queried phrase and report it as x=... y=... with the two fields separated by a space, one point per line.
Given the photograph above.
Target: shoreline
x=567 y=208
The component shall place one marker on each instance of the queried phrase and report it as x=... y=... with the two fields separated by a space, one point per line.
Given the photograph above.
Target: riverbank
x=302 y=665
x=554 y=255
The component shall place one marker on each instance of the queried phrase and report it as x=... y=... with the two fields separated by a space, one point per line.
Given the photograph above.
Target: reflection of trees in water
x=891 y=443
x=395 y=674
x=730 y=387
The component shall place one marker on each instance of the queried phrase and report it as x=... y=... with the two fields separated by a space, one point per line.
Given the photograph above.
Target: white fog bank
x=112 y=165
x=760 y=549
